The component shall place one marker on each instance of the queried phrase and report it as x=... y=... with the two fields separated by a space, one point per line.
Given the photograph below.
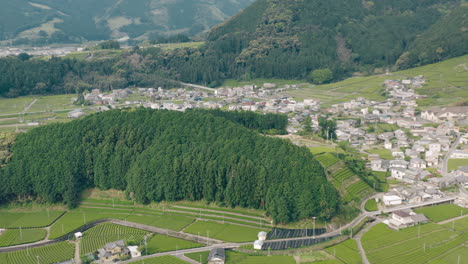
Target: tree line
x=164 y=155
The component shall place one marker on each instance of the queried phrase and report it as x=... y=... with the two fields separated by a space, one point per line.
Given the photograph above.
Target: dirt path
x=77 y=252
x=359 y=244
x=26 y=109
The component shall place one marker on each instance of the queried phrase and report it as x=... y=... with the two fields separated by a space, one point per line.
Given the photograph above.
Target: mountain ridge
x=80 y=21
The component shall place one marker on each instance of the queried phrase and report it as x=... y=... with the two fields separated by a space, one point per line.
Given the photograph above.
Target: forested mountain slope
x=168 y=155
x=289 y=39
x=49 y=21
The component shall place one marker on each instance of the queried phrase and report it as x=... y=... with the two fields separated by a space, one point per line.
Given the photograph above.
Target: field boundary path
x=162 y=231
x=452 y=219
x=26 y=109
x=357 y=238
x=189 y=260
x=198 y=86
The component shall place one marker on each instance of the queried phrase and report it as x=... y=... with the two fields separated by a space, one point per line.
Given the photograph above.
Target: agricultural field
x=161 y=260
x=225 y=232
x=53 y=103
x=454 y=164
x=455 y=256
x=12 y=219
x=442 y=212
x=161 y=243
x=383 y=153
x=346 y=251
x=343 y=175
x=13 y=237
x=197 y=256
x=460 y=225
x=237 y=210
x=382 y=128
x=170 y=222
x=14 y=105
x=240 y=258
x=259 y=82
x=98 y=236
x=322 y=149
x=357 y=191
x=327 y=160
x=48 y=254
x=75 y=219
x=414 y=245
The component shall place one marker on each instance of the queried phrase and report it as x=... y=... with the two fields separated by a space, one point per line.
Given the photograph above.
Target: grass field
x=11 y=219
x=371 y=205
x=14 y=105
x=160 y=243
x=239 y=258
x=381 y=128
x=414 y=245
x=225 y=232
x=442 y=212
x=42 y=255
x=260 y=82
x=454 y=164
x=53 y=102
x=197 y=256
x=346 y=251
x=16 y=236
x=175 y=223
x=322 y=149
x=98 y=236
x=383 y=153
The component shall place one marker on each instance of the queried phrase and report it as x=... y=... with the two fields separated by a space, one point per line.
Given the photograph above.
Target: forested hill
x=167 y=155
x=73 y=21
x=290 y=39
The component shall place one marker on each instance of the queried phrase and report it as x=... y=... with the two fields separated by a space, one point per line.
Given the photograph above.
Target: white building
x=390 y=200
x=262 y=235
x=258 y=244
x=134 y=251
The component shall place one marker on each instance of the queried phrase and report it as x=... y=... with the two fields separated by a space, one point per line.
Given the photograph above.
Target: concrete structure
x=78 y=235
x=390 y=200
x=258 y=244
x=134 y=251
x=216 y=256
x=262 y=235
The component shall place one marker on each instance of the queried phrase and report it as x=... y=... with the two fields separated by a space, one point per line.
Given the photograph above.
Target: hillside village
x=413 y=147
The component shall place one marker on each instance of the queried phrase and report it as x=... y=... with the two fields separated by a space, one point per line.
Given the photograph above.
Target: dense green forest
x=74 y=21
x=167 y=155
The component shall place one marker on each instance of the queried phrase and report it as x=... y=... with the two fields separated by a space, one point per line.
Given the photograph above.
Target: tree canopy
x=163 y=155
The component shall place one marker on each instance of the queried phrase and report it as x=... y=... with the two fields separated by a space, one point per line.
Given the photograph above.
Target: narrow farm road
x=449 y=153
x=214 y=211
x=77 y=252
x=26 y=109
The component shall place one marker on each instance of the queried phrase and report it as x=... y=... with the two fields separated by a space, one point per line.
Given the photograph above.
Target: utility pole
x=314 y=228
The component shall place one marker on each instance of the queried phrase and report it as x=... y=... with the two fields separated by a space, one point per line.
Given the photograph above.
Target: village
x=413 y=147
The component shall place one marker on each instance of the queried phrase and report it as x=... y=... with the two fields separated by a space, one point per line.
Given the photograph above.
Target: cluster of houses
x=405 y=218
x=415 y=193
x=38 y=51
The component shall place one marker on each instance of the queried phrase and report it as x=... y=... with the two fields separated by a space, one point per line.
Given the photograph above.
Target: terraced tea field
x=346 y=251
x=21 y=236
x=48 y=254
x=44 y=218
x=98 y=236
x=161 y=243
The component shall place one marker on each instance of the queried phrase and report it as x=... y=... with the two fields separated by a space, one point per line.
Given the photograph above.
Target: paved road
x=449 y=153
x=358 y=241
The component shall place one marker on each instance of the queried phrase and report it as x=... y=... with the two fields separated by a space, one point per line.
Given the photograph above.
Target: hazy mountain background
x=72 y=21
